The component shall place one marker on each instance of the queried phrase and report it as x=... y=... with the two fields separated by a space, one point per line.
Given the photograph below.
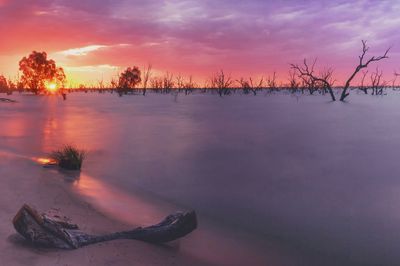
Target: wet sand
x=44 y=190
x=25 y=181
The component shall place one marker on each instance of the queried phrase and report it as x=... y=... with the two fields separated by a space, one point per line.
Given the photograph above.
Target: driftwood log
x=55 y=231
x=7 y=100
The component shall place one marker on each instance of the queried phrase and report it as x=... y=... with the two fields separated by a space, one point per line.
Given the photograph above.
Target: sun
x=52 y=87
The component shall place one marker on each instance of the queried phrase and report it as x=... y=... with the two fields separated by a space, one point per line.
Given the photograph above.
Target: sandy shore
x=24 y=181
x=36 y=187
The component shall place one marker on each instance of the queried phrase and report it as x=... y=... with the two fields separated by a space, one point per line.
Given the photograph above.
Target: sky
x=95 y=39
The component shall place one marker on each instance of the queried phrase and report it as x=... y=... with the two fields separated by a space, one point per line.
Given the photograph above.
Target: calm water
x=313 y=176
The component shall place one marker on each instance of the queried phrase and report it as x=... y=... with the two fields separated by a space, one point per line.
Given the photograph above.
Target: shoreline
x=44 y=190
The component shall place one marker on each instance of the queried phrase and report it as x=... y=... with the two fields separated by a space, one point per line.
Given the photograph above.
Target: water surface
x=301 y=174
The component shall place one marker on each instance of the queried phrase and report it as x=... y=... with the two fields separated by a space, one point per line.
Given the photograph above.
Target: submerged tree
x=130 y=78
x=250 y=85
x=314 y=81
x=362 y=64
x=156 y=83
x=221 y=82
x=293 y=82
x=147 y=71
x=168 y=82
x=376 y=82
x=362 y=85
x=37 y=71
x=271 y=81
x=183 y=84
x=396 y=75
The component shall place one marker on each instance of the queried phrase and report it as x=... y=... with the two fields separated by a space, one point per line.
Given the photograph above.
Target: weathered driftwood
x=7 y=100
x=58 y=232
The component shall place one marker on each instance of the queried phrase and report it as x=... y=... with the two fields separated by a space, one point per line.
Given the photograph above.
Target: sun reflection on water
x=44 y=160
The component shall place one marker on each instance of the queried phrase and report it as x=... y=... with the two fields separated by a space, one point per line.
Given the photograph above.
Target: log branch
x=56 y=231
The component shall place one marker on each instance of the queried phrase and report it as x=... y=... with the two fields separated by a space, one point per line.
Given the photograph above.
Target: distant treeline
x=41 y=76
x=376 y=90
x=220 y=84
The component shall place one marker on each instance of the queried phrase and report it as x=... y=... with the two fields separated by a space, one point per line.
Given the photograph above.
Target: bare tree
x=221 y=82
x=156 y=83
x=180 y=82
x=101 y=84
x=250 y=85
x=307 y=81
x=306 y=73
x=168 y=82
x=271 y=81
x=293 y=82
x=113 y=83
x=362 y=64
x=245 y=85
x=362 y=85
x=147 y=71
x=189 y=85
x=396 y=75
x=326 y=82
x=376 y=82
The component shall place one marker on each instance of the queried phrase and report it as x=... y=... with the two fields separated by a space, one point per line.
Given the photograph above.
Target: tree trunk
x=57 y=232
x=332 y=94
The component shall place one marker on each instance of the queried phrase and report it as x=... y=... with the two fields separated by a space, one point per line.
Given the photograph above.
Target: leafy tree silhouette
x=129 y=78
x=37 y=70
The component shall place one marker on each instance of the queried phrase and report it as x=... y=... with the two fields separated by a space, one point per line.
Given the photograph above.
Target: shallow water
x=301 y=174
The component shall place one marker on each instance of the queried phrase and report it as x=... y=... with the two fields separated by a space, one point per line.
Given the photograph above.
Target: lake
x=275 y=178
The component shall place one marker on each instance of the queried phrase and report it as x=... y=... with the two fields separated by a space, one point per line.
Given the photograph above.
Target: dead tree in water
x=55 y=231
x=306 y=73
x=180 y=82
x=326 y=82
x=396 y=75
x=309 y=84
x=146 y=77
x=168 y=82
x=362 y=85
x=376 y=83
x=362 y=64
x=222 y=83
x=190 y=85
x=156 y=84
x=293 y=82
x=250 y=86
x=271 y=81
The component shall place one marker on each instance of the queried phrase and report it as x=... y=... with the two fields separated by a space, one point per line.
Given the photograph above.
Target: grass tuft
x=69 y=157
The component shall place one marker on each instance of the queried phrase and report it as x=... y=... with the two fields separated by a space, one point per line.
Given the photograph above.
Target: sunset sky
x=94 y=39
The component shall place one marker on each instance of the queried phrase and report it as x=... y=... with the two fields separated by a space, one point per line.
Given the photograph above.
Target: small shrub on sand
x=69 y=157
